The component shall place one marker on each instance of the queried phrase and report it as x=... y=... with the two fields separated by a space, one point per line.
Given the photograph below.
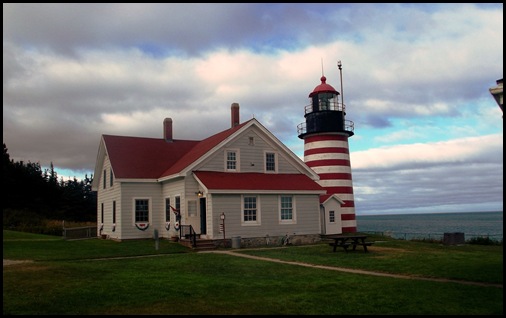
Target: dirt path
x=8 y=262
x=339 y=269
x=356 y=271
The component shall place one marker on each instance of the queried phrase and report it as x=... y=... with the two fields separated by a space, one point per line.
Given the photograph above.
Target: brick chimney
x=167 y=129
x=235 y=114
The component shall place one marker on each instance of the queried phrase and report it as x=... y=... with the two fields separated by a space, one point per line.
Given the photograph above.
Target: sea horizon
x=434 y=225
x=413 y=213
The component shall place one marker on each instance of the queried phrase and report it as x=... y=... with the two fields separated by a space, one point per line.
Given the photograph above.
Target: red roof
x=153 y=158
x=144 y=158
x=323 y=88
x=200 y=149
x=257 y=181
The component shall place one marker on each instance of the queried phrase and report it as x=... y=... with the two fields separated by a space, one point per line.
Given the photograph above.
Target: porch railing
x=187 y=231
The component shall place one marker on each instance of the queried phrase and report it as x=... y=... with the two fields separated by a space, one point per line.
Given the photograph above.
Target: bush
x=31 y=222
x=484 y=241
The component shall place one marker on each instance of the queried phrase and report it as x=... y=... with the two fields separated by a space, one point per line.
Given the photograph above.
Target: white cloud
x=415 y=79
x=447 y=152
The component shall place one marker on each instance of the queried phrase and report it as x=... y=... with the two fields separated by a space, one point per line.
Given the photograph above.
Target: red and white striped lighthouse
x=326 y=150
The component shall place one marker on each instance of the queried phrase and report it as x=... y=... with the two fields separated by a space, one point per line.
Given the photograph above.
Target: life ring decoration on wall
x=142 y=226
x=167 y=225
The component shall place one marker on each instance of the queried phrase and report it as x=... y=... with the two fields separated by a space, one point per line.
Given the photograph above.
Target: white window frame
x=180 y=203
x=237 y=160
x=258 y=211
x=293 y=220
x=150 y=211
x=167 y=213
x=275 y=162
x=332 y=216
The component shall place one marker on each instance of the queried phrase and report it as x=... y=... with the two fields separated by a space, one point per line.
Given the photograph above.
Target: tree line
x=32 y=194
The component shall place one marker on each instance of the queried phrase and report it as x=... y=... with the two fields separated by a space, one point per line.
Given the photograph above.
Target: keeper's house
x=243 y=174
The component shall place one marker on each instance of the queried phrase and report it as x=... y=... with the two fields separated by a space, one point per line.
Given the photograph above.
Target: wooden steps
x=201 y=244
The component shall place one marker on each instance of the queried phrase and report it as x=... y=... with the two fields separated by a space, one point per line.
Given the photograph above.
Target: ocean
x=434 y=225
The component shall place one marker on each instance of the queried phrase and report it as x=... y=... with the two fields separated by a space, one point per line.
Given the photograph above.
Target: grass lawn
x=104 y=277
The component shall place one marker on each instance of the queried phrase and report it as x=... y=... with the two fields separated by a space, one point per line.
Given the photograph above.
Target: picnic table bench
x=345 y=241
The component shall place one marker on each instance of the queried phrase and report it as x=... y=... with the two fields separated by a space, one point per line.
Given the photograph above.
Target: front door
x=203 y=225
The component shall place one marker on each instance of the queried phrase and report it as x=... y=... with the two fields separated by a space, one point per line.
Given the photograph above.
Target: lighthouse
x=325 y=133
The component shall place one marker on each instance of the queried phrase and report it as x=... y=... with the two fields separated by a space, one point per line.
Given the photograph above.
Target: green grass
x=479 y=263
x=72 y=277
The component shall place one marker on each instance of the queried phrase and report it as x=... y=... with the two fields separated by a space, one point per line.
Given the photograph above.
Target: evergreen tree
x=31 y=193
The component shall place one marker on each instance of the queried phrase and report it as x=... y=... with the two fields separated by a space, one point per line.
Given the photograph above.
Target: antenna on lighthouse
x=339 y=65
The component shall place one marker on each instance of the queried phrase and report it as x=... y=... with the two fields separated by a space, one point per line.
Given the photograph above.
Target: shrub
x=484 y=241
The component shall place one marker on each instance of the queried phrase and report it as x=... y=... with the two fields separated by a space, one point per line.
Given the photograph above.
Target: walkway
x=332 y=268
x=354 y=271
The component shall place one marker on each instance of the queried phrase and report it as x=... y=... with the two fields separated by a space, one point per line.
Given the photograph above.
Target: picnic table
x=349 y=240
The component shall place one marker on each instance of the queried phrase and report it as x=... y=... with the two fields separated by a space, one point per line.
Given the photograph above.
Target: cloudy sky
x=416 y=78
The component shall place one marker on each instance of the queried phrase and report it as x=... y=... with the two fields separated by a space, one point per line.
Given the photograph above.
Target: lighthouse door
x=332 y=217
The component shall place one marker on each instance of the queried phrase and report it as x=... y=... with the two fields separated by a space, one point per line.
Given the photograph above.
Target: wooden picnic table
x=348 y=240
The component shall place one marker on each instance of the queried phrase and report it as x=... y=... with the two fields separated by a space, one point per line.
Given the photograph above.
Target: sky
x=415 y=82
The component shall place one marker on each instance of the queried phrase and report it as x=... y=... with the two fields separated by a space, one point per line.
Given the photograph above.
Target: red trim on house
x=325 y=138
x=328 y=162
x=315 y=151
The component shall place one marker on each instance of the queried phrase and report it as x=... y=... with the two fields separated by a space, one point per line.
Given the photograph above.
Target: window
x=178 y=209
x=167 y=209
x=251 y=141
x=113 y=212
x=178 y=204
x=286 y=208
x=332 y=216
x=102 y=213
x=105 y=177
x=232 y=160
x=111 y=178
x=192 y=208
x=326 y=100
x=141 y=210
x=250 y=209
x=270 y=162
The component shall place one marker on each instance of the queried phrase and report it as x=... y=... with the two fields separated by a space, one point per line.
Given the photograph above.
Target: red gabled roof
x=200 y=149
x=153 y=158
x=144 y=158
x=257 y=181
